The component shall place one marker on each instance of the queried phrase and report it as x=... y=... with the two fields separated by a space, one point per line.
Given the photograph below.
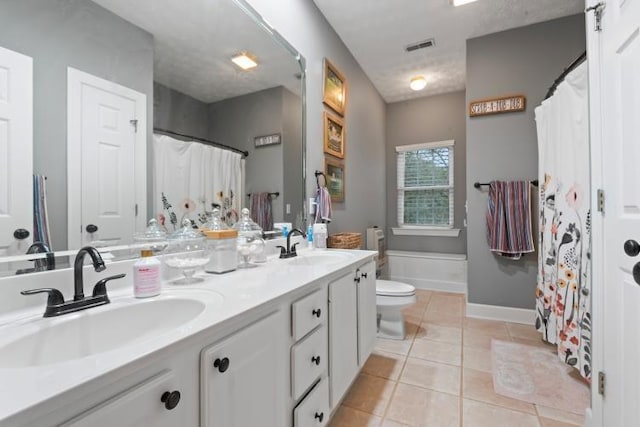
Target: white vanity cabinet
x=244 y=381
x=367 y=315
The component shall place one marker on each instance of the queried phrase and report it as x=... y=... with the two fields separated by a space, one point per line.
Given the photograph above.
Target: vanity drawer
x=314 y=409
x=308 y=361
x=308 y=313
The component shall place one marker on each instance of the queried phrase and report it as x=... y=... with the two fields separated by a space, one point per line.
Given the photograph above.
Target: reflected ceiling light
x=244 y=61
x=461 y=2
x=418 y=83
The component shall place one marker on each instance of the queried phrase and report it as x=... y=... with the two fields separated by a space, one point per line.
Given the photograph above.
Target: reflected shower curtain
x=191 y=178
x=563 y=305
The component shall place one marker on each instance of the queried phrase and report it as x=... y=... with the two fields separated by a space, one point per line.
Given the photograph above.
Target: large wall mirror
x=132 y=104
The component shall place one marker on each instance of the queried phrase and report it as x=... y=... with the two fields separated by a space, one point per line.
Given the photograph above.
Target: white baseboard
x=504 y=314
x=433 y=285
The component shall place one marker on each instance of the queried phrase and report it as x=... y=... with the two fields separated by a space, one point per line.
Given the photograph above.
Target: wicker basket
x=345 y=240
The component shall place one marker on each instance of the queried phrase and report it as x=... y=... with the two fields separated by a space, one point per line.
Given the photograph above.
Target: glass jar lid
x=152 y=232
x=214 y=222
x=186 y=232
x=246 y=224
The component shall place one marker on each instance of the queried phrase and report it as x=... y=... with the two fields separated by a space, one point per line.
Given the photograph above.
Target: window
x=425 y=184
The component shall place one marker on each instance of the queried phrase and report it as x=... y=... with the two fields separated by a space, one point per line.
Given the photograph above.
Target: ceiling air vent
x=420 y=45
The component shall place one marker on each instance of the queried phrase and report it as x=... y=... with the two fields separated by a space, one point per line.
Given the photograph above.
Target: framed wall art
x=334 y=172
x=504 y=104
x=334 y=88
x=333 y=135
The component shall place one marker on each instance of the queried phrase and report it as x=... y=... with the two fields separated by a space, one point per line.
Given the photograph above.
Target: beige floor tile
x=547 y=422
x=528 y=332
x=486 y=327
x=446 y=303
x=442 y=319
x=477 y=414
x=423 y=296
x=420 y=407
x=393 y=346
x=558 y=415
x=472 y=339
x=432 y=375
x=478 y=385
x=414 y=310
x=348 y=417
x=411 y=327
x=437 y=351
x=476 y=358
x=384 y=365
x=439 y=333
x=369 y=394
x=390 y=423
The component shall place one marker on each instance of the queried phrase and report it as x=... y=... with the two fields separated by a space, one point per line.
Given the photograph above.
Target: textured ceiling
x=194 y=46
x=377 y=32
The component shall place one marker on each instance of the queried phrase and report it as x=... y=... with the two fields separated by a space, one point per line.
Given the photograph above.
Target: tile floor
x=440 y=375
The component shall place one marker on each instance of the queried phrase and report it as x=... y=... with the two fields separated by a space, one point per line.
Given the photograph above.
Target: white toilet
x=391 y=298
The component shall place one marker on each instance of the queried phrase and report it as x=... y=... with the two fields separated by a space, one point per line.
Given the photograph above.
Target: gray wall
x=504 y=146
x=308 y=31
x=434 y=118
x=177 y=112
x=71 y=33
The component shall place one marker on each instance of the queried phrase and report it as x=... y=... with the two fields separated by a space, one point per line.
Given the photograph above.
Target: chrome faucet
x=56 y=305
x=290 y=251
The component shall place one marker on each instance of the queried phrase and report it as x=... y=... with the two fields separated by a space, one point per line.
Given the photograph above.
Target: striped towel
x=40 y=217
x=509 y=219
x=261 y=211
x=323 y=205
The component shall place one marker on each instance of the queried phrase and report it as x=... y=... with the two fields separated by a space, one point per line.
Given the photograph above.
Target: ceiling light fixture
x=461 y=2
x=418 y=83
x=244 y=61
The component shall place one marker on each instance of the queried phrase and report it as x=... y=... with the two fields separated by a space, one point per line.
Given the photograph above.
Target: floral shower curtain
x=563 y=302
x=191 y=178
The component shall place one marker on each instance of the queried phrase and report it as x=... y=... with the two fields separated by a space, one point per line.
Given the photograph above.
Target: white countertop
x=243 y=291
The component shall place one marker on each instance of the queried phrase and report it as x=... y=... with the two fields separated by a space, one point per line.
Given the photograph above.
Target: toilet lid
x=394 y=289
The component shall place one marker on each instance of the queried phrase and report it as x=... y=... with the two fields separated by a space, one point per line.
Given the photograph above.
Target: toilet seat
x=390 y=288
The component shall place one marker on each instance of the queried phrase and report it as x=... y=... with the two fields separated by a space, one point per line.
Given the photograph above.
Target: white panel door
x=16 y=150
x=620 y=93
x=108 y=161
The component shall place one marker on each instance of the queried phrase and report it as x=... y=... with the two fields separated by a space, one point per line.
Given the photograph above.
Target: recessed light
x=418 y=83
x=244 y=61
x=461 y=2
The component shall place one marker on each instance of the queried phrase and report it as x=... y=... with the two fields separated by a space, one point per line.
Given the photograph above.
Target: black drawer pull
x=170 y=399
x=319 y=416
x=316 y=360
x=317 y=312
x=364 y=275
x=221 y=364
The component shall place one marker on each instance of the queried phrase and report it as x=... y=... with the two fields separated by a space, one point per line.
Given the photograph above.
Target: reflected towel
x=40 y=217
x=261 y=211
x=323 y=205
x=509 y=219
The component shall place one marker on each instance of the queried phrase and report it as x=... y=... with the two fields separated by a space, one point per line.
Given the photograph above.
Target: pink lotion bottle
x=147 y=276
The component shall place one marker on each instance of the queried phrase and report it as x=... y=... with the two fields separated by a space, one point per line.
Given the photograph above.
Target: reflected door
x=108 y=127
x=16 y=151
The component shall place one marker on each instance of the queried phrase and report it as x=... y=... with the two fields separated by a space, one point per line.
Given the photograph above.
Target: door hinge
x=601 y=380
x=600 y=195
x=597 y=11
x=134 y=123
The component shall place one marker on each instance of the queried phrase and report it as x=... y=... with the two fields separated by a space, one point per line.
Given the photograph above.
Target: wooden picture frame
x=333 y=135
x=335 y=175
x=334 y=88
x=503 y=104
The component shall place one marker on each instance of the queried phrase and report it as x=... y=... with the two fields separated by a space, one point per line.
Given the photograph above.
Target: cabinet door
x=343 y=336
x=367 y=322
x=244 y=377
x=313 y=411
x=141 y=405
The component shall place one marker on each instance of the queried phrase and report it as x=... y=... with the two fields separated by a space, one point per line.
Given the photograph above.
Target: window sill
x=426 y=231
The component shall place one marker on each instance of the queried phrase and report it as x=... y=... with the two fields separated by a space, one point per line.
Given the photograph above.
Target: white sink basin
x=314 y=257
x=96 y=330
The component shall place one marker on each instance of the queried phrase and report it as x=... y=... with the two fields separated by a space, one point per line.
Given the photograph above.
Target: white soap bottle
x=147 y=275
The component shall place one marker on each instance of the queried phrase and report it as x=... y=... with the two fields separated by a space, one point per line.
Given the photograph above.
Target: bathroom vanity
x=277 y=345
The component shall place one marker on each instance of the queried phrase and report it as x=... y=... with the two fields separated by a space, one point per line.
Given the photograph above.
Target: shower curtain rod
x=579 y=60
x=206 y=141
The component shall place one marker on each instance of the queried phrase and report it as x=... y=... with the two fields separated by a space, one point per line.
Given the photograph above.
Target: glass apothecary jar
x=222 y=244
x=153 y=238
x=251 y=246
x=187 y=251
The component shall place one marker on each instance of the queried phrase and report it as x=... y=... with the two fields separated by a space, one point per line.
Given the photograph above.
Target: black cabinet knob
x=631 y=247
x=21 y=233
x=170 y=399
x=316 y=360
x=91 y=228
x=636 y=273
x=356 y=279
x=317 y=312
x=221 y=364
x=319 y=416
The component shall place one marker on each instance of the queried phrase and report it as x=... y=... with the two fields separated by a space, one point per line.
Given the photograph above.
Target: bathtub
x=428 y=270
